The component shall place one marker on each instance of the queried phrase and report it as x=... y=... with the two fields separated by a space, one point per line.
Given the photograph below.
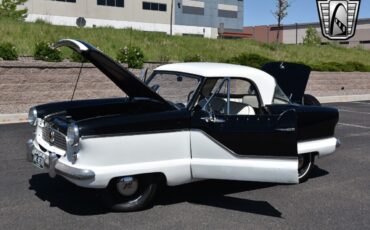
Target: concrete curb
x=13 y=118
x=22 y=117
x=345 y=98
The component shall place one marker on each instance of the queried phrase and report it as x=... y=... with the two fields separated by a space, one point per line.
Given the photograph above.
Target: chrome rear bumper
x=323 y=147
x=55 y=167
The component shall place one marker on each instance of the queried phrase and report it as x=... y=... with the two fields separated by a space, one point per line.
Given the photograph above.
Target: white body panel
x=211 y=160
x=109 y=157
x=182 y=156
x=323 y=147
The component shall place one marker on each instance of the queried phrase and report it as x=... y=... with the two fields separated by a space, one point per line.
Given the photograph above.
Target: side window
x=230 y=96
x=214 y=96
x=243 y=97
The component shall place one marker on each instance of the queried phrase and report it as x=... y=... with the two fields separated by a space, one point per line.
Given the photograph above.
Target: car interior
x=243 y=97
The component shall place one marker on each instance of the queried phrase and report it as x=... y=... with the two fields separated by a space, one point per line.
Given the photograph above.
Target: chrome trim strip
x=134 y=133
x=79 y=47
x=74 y=173
x=29 y=146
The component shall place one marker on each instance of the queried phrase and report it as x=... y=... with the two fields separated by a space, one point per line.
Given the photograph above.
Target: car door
x=229 y=143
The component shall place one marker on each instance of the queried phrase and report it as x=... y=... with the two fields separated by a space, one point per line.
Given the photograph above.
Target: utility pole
x=171 y=19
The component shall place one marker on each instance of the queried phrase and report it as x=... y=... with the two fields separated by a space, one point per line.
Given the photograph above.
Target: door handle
x=212 y=119
x=285 y=129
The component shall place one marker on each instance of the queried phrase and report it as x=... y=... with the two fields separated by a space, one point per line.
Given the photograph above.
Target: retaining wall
x=26 y=83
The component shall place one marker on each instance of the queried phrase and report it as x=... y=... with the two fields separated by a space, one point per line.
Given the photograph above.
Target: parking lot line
x=360 y=102
x=353 y=125
x=351 y=111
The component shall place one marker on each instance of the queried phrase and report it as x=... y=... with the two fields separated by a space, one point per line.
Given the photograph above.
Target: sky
x=258 y=12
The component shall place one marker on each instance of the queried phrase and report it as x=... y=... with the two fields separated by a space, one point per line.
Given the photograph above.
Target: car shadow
x=75 y=200
x=66 y=196
x=318 y=172
x=215 y=193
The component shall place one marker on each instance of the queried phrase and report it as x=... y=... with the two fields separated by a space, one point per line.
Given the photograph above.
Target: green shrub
x=193 y=58
x=271 y=47
x=8 y=52
x=312 y=37
x=10 y=9
x=133 y=56
x=42 y=22
x=253 y=60
x=44 y=51
x=76 y=57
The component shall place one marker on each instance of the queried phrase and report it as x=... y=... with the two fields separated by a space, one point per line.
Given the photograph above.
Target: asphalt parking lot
x=337 y=196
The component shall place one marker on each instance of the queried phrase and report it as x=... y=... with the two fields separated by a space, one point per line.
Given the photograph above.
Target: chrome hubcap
x=304 y=164
x=127 y=186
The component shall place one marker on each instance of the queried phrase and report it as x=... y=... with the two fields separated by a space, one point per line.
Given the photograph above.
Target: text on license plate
x=38 y=158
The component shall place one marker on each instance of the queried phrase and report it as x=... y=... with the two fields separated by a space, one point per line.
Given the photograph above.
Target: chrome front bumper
x=55 y=167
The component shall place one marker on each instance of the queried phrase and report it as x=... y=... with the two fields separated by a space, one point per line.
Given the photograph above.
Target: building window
x=192 y=10
x=154 y=6
x=227 y=14
x=117 y=3
x=73 y=1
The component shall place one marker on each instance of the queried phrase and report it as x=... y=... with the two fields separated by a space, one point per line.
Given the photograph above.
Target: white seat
x=236 y=108
x=241 y=109
x=247 y=111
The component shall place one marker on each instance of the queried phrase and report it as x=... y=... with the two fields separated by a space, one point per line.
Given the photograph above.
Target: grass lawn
x=161 y=47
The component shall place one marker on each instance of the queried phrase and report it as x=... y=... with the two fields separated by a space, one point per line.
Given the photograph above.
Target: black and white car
x=187 y=122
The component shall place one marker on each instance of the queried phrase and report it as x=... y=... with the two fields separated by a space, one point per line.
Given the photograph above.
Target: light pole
x=171 y=19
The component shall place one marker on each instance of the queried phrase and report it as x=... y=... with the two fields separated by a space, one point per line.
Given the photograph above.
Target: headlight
x=32 y=116
x=73 y=136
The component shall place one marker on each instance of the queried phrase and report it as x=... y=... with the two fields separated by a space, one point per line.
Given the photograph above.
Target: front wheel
x=130 y=193
x=305 y=166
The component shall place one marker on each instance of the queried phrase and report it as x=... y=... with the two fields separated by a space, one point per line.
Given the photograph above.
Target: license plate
x=38 y=158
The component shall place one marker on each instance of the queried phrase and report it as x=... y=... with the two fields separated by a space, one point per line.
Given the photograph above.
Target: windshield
x=280 y=97
x=176 y=88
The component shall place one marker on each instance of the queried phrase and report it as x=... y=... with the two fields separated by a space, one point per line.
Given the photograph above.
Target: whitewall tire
x=305 y=166
x=130 y=193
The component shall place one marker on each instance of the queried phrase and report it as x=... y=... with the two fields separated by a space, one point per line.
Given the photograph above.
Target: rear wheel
x=131 y=193
x=310 y=100
x=305 y=166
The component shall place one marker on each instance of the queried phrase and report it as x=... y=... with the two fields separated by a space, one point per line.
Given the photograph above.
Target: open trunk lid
x=291 y=77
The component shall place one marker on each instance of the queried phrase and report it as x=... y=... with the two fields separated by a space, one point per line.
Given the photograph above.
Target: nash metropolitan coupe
x=186 y=122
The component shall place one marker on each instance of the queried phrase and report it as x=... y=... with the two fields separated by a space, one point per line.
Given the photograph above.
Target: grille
x=54 y=137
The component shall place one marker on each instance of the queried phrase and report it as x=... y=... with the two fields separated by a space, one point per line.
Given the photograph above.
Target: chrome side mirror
x=143 y=74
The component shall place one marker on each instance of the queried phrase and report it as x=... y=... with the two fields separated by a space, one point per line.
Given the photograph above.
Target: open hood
x=123 y=78
x=291 y=77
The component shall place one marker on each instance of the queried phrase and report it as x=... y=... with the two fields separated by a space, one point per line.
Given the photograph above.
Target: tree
x=312 y=37
x=9 y=9
x=280 y=13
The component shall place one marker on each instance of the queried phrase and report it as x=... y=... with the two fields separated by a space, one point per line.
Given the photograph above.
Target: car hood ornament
x=338 y=18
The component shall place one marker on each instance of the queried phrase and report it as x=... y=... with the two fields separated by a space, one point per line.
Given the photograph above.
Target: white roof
x=265 y=82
